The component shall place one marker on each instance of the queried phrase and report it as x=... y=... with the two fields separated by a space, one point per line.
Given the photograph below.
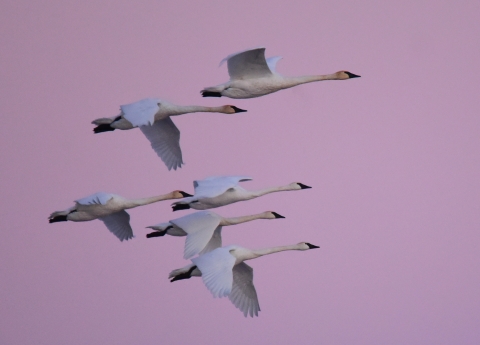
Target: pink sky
x=393 y=159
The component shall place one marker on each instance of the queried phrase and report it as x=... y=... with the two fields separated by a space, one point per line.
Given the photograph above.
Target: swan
x=224 y=273
x=251 y=75
x=223 y=190
x=152 y=115
x=203 y=229
x=110 y=209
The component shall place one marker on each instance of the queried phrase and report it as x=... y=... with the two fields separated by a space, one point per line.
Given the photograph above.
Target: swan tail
x=103 y=121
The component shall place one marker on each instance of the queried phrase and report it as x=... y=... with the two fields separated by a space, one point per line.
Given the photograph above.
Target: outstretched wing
x=164 y=137
x=216 y=267
x=244 y=295
x=119 y=224
x=272 y=63
x=214 y=186
x=96 y=199
x=200 y=227
x=248 y=64
x=141 y=113
x=215 y=242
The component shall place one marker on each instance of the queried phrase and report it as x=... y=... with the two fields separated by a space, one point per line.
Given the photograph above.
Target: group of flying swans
x=110 y=209
x=152 y=115
x=222 y=269
x=203 y=229
x=251 y=75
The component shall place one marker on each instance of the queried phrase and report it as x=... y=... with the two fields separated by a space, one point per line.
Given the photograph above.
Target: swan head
x=273 y=215
x=342 y=75
x=231 y=109
x=178 y=194
x=298 y=185
x=306 y=246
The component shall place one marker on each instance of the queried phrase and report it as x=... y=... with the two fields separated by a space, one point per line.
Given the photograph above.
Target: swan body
x=152 y=115
x=223 y=190
x=110 y=209
x=203 y=229
x=225 y=274
x=251 y=75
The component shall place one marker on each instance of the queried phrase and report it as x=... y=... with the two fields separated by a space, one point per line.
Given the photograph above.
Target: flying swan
x=110 y=209
x=224 y=273
x=251 y=75
x=223 y=190
x=203 y=229
x=152 y=115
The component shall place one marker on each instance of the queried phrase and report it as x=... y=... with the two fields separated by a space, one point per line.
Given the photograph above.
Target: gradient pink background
x=393 y=158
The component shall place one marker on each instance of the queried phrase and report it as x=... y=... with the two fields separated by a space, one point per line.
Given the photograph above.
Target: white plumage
x=223 y=190
x=203 y=229
x=251 y=75
x=152 y=115
x=224 y=273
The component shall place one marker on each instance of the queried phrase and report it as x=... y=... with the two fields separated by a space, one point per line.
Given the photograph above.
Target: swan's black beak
x=238 y=110
x=277 y=215
x=185 y=195
x=302 y=186
x=311 y=246
x=351 y=75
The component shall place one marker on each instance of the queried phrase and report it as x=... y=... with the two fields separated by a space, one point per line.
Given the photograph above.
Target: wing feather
x=243 y=294
x=248 y=64
x=200 y=227
x=119 y=224
x=141 y=113
x=164 y=138
x=216 y=267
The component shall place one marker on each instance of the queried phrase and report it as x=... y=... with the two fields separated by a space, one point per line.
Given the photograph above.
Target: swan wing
x=248 y=64
x=141 y=113
x=214 y=186
x=244 y=295
x=272 y=63
x=215 y=242
x=164 y=137
x=119 y=224
x=200 y=227
x=99 y=198
x=216 y=267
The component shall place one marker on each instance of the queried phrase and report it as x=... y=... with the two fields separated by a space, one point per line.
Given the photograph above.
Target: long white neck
x=185 y=109
x=255 y=253
x=257 y=193
x=243 y=219
x=294 y=81
x=145 y=201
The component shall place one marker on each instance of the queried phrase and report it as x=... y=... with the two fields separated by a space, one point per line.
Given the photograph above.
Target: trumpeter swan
x=223 y=190
x=224 y=273
x=152 y=115
x=203 y=229
x=110 y=209
x=251 y=75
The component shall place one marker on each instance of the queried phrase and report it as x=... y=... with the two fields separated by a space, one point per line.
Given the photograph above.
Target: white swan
x=251 y=75
x=152 y=115
x=203 y=229
x=223 y=190
x=224 y=273
x=110 y=209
